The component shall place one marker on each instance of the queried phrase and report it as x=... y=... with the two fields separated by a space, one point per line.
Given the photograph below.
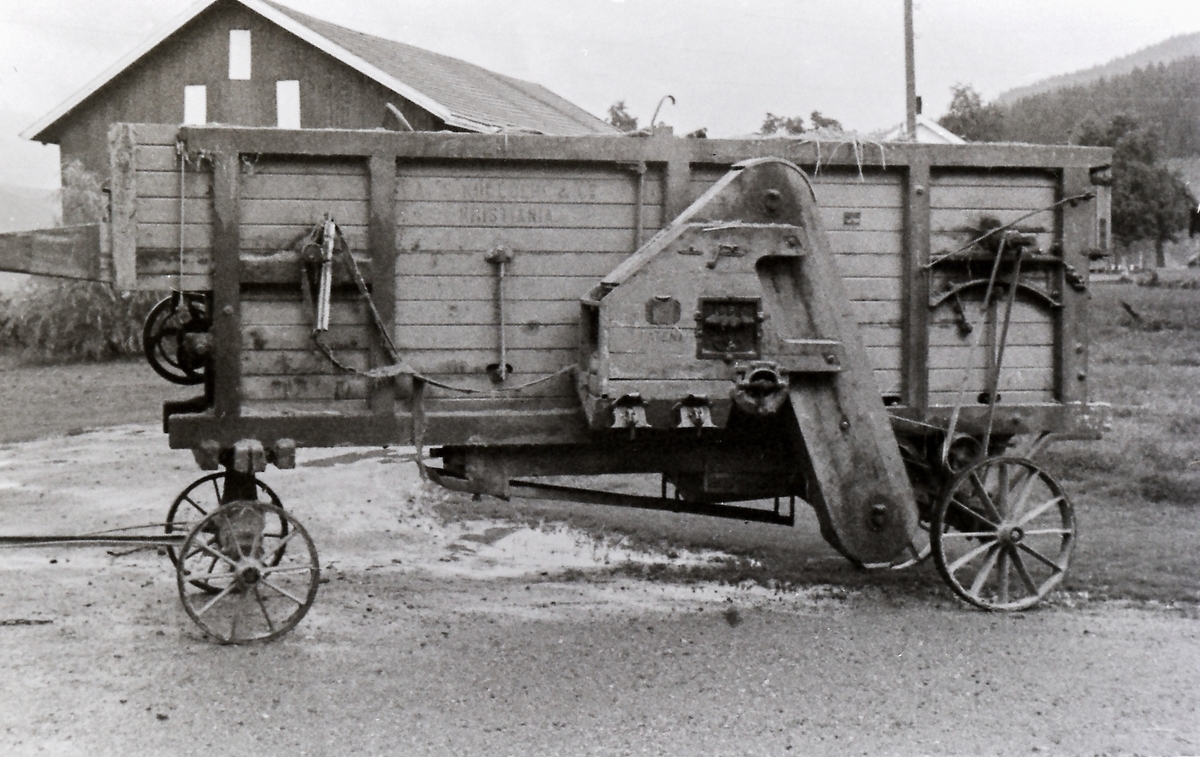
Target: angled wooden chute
x=767 y=329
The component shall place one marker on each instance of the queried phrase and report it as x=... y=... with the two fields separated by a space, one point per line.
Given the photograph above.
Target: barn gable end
x=346 y=80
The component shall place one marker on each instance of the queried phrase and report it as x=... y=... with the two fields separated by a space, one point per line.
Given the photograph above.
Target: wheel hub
x=1010 y=534
x=249 y=572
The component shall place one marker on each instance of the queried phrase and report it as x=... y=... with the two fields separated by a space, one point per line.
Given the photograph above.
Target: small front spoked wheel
x=204 y=496
x=1003 y=534
x=243 y=580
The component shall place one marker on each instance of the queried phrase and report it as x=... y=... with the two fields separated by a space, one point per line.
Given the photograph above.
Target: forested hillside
x=1167 y=51
x=1165 y=97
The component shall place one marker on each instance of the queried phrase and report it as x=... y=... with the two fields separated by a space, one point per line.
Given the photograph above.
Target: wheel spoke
x=1039 y=510
x=284 y=593
x=232 y=535
x=270 y=571
x=984 y=497
x=217 y=489
x=262 y=606
x=1019 y=507
x=984 y=571
x=1002 y=492
x=279 y=548
x=194 y=504
x=216 y=554
x=970 y=534
x=974 y=513
x=968 y=557
x=1038 y=555
x=1002 y=567
x=1048 y=531
x=238 y=612
x=256 y=543
x=1023 y=572
x=221 y=595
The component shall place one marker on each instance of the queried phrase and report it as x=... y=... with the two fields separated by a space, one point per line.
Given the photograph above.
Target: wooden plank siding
x=566 y=227
x=960 y=200
x=567 y=209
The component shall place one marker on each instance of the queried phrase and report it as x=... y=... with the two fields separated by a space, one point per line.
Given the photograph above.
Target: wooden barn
x=259 y=63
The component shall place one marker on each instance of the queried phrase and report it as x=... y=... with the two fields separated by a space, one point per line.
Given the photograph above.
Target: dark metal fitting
x=694 y=412
x=879 y=516
x=499 y=255
x=630 y=412
x=772 y=201
x=197 y=344
x=760 y=389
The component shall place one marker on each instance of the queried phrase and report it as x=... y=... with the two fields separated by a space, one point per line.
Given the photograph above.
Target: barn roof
x=461 y=94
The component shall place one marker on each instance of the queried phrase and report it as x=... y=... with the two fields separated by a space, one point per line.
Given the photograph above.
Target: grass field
x=1137 y=492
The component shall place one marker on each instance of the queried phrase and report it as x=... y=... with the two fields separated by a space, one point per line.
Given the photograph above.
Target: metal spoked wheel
x=202 y=497
x=1003 y=534
x=265 y=582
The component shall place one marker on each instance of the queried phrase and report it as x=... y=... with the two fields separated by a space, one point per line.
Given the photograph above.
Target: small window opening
x=239 y=53
x=195 y=104
x=287 y=104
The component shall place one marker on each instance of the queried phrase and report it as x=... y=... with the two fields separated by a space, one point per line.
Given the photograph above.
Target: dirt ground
x=475 y=636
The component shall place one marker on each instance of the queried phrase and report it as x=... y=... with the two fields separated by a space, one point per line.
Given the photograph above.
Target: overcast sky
x=727 y=62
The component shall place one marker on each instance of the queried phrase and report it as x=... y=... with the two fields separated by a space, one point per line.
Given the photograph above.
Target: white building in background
x=928 y=132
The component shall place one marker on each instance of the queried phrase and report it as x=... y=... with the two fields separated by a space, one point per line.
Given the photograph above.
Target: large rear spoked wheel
x=1003 y=534
x=242 y=580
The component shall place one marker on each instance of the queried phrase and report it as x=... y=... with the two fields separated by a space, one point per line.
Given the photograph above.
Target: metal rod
x=638 y=208
x=92 y=541
x=966 y=374
x=910 y=74
x=994 y=379
x=538 y=490
x=500 y=307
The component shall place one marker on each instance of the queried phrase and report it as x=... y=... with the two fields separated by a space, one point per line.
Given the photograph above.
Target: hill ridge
x=1171 y=49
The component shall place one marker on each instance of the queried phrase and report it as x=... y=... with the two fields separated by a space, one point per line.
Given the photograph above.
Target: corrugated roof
x=461 y=94
x=466 y=90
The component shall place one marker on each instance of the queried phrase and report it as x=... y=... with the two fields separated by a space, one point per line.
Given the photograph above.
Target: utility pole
x=910 y=75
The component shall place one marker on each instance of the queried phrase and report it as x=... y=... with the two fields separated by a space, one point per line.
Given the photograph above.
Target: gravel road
x=490 y=638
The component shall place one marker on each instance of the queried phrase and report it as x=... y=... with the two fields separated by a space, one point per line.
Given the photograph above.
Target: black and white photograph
x=599 y=378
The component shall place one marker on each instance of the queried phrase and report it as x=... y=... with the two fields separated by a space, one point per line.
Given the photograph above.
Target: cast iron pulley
x=173 y=337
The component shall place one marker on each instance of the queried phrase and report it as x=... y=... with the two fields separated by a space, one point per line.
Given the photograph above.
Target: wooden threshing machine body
x=599 y=305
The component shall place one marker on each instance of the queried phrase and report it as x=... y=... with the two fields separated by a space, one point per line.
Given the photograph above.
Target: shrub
x=52 y=319
x=74 y=320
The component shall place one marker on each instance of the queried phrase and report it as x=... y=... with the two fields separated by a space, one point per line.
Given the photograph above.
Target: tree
x=82 y=197
x=773 y=124
x=821 y=122
x=970 y=119
x=620 y=117
x=1149 y=202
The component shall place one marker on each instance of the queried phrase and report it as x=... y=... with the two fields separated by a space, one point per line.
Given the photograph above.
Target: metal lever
x=500 y=256
x=325 y=286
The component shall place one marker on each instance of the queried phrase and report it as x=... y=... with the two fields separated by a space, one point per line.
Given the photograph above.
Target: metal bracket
x=630 y=412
